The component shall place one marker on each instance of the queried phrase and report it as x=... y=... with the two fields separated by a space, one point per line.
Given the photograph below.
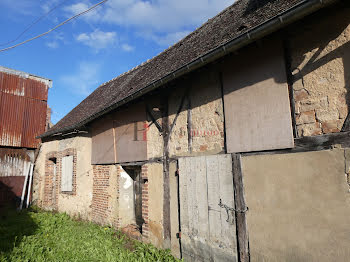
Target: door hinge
x=178 y=235
x=177 y=172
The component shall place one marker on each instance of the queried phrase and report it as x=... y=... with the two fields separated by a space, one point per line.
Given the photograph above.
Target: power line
x=34 y=23
x=57 y=26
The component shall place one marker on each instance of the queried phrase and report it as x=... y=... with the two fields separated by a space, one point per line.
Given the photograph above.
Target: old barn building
x=231 y=145
x=23 y=116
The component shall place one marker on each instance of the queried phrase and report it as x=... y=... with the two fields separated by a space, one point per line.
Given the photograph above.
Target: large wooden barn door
x=208 y=231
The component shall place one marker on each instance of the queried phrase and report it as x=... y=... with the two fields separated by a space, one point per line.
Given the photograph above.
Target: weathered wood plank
x=189 y=124
x=202 y=198
x=227 y=197
x=183 y=195
x=166 y=180
x=240 y=205
x=213 y=200
x=311 y=143
x=193 y=208
x=206 y=235
x=323 y=141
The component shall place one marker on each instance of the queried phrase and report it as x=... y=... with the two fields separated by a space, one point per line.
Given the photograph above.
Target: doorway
x=134 y=173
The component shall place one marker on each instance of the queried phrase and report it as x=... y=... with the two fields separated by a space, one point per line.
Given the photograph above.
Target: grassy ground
x=43 y=236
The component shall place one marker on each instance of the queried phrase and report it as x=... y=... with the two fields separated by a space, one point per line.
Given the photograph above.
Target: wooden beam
x=189 y=123
x=311 y=143
x=322 y=142
x=148 y=111
x=241 y=208
x=223 y=108
x=346 y=125
x=166 y=179
x=177 y=113
x=288 y=67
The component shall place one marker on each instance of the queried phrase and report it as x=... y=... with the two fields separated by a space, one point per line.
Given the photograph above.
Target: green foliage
x=35 y=235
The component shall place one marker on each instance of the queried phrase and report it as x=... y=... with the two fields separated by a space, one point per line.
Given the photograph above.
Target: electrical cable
x=34 y=23
x=52 y=29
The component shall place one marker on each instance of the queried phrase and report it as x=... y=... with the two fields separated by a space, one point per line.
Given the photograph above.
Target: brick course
x=52 y=184
x=100 y=195
x=145 y=226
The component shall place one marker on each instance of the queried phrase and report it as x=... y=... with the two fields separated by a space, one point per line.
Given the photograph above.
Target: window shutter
x=67 y=174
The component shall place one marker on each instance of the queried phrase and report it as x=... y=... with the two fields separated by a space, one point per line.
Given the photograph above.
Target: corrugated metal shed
x=14 y=160
x=23 y=108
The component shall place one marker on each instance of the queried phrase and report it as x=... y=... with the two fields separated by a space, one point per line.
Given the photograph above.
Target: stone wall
x=207 y=118
x=320 y=61
x=47 y=190
x=201 y=98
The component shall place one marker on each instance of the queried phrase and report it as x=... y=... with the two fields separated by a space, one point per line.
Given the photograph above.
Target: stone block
x=309 y=129
x=327 y=115
x=300 y=95
x=330 y=127
x=343 y=112
x=298 y=85
x=305 y=118
x=313 y=104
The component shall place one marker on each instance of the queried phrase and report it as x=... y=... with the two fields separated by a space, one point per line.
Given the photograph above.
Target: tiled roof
x=232 y=22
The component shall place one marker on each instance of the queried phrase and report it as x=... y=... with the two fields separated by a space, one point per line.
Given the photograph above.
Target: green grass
x=35 y=235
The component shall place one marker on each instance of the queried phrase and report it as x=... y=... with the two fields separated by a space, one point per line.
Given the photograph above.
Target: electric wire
x=52 y=29
x=34 y=23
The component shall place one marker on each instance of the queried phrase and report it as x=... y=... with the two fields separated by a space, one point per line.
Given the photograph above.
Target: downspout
x=289 y=16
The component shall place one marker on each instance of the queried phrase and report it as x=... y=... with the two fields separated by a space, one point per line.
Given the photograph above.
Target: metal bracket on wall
x=227 y=208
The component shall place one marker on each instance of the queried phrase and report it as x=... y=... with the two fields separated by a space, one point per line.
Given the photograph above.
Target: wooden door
x=138 y=198
x=208 y=231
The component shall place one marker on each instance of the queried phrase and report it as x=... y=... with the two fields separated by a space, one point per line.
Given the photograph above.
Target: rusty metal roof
x=23 y=108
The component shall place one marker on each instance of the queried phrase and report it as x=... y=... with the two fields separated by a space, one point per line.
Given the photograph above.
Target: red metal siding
x=23 y=110
x=35 y=89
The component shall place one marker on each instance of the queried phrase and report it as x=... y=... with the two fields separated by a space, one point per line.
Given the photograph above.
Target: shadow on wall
x=328 y=40
x=14 y=226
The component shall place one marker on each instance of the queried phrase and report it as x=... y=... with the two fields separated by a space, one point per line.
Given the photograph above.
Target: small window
x=67 y=174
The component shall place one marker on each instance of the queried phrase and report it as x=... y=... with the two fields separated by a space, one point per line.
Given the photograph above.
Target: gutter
x=272 y=25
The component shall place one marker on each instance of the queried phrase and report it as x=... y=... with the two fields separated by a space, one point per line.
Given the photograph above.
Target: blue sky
x=98 y=46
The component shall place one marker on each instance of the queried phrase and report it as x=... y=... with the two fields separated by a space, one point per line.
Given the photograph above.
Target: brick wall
x=52 y=183
x=116 y=218
x=50 y=195
x=100 y=195
x=104 y=205
x=145 y=226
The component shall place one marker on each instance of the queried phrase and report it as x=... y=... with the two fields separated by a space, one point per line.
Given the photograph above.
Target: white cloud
x=24 y=7
x=127 y=48
x=84 y=80
x=169 y=18
x=48 y=5
x=56 y=39
x=92 y=16
x=98 y=39
x=52 y=44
